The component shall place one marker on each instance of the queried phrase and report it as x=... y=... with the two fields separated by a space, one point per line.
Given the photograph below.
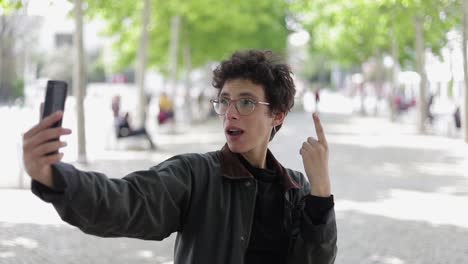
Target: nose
x=231 y=111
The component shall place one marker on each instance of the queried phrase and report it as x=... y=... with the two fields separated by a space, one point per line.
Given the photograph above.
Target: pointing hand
x=314 y=154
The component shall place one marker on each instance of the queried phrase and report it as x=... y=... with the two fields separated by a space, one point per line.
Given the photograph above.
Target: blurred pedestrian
x=234 y=205
x=457 y=118
x=123 y=127
x=430 y=115
x=317 y=99
x=166 y=109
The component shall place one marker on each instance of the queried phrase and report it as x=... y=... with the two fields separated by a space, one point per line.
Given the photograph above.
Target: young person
x=123 y=127
x=235 y=205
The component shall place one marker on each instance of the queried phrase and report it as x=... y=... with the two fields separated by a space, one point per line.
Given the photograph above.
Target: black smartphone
x=56 y=94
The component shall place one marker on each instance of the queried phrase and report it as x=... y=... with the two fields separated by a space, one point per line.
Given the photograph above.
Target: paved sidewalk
x=399 y=196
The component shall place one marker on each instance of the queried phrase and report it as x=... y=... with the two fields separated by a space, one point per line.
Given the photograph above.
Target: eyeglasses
x=244 y=106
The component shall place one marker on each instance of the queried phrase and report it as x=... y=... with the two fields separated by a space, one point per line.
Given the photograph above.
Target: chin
x=237 y=148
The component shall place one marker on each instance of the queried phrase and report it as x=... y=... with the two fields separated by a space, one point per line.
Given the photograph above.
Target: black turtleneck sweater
x=269 y=239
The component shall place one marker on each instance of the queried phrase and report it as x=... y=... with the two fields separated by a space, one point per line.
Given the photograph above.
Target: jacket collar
x=232 y=168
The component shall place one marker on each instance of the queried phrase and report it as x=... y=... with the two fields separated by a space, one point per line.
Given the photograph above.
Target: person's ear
x=278 y=118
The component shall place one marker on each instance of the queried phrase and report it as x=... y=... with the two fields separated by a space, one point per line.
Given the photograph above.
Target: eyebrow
x=241 y=94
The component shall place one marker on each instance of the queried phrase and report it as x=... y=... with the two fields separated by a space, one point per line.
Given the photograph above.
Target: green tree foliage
x=213 y=29
x=350 y=32
x=7 y=6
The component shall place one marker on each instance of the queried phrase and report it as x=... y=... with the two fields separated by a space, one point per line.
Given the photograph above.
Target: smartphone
x=56 y=94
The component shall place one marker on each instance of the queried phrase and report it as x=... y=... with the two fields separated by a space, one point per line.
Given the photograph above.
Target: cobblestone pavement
x=399 y=197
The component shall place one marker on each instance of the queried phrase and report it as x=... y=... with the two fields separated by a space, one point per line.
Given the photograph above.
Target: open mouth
x=234 y=131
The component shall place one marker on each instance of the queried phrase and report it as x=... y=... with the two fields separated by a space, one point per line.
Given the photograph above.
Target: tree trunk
x=451 y=86
x=78 y=80
x=2 y=24
x=465 y=69
x=394 y=77
x=7 y=57
x=188 y=83
x=141 y=68
x=420 y=61
x=173 y=51
x=171 y=84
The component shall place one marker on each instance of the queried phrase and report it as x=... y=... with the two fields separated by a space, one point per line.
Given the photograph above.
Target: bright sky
x=55 y=13
x=56 y=20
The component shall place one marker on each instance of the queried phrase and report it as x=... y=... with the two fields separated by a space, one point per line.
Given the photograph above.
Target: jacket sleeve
x=316 y=242
x=144 y=204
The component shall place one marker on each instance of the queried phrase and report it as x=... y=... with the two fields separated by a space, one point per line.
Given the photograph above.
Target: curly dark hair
x=262 y=68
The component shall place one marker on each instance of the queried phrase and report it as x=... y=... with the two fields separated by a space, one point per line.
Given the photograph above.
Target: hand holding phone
x=42 y=142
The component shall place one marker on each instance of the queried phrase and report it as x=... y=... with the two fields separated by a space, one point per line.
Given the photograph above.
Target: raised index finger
x=319 y=130
x=45 y=123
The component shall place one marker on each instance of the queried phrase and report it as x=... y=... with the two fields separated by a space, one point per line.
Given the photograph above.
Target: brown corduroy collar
x=232 y=168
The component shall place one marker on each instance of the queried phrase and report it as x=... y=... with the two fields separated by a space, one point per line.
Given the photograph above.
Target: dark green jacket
x=209 y=199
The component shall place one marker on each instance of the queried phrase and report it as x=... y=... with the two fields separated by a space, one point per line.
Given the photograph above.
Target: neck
x=256 y=159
